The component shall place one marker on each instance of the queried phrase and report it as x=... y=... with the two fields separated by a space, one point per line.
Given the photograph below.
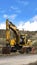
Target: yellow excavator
x=18 y=43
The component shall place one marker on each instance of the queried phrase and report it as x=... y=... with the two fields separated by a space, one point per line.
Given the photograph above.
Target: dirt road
x=18 y=60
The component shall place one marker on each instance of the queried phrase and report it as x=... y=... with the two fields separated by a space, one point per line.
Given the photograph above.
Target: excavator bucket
x=5 y=50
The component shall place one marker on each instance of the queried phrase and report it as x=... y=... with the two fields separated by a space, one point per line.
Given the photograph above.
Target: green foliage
x=35 y=44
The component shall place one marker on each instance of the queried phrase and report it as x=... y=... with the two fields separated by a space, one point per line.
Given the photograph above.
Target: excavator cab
x=23 y=39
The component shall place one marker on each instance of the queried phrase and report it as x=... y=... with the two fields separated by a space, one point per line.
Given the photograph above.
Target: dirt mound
x=35 y=63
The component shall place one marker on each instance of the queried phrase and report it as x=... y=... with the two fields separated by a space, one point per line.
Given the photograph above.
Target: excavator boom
x=11 y=26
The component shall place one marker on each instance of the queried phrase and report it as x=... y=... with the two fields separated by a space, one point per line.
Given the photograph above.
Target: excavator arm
x=11 y=26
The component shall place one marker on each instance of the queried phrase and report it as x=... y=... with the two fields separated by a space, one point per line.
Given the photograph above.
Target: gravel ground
x=22 y=59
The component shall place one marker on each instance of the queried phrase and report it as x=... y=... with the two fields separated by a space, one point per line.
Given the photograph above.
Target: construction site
x=18 y=32
x=14 y=40
x=17 y=44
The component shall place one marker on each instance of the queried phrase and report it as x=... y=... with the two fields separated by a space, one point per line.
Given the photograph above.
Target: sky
x=22 y=13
